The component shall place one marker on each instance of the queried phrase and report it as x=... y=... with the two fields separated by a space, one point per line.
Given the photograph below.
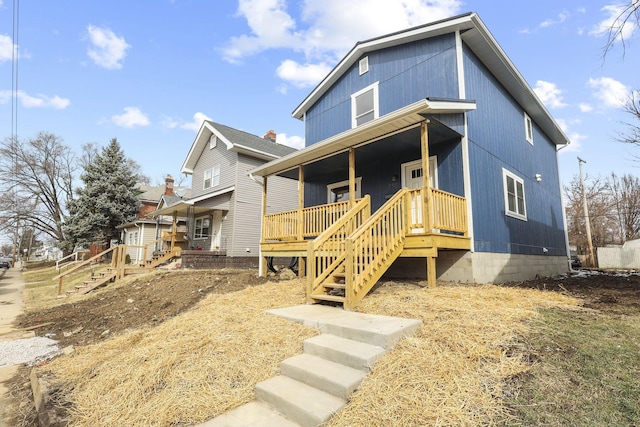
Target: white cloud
x=107 y=50
x=195 y=124
x=326 y=30
x=549 y=94
x=39 y=101
x=612 y=22
x=575 y=139
x=610 y=91
x=550 y=22
x=132 y=117
x=7 y=48
x=302 y=75
x=296 y=142
x=585 y=108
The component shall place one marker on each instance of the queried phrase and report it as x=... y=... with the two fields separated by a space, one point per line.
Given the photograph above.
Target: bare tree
x=628 y=17
x=624 y=192
x=604 y=223
x=37 y=177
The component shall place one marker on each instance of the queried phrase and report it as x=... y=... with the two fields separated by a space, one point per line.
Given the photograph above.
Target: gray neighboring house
x=225 y=209
x=144 y=230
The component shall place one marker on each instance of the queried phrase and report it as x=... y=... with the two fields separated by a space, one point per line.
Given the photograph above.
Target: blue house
x=427 y=155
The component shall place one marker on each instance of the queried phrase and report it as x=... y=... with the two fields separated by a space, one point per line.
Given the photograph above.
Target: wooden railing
x=118 y=252
x=315 y=220
x=449 y=212
x=327 y=251
x=372 y=248
x=118 y=260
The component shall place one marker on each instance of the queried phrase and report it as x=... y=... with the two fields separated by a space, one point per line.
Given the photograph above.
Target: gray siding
x=247 y=206
x=209 y=158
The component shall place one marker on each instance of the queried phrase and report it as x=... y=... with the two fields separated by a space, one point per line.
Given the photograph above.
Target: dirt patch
x=609 y=292
x=147 y=300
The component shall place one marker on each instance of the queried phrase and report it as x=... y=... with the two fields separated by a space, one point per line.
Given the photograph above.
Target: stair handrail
x=374 y=245
x=60 y=277
x=327 y=251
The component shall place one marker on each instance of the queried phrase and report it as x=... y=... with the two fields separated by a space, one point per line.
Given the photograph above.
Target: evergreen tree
x=107 y=200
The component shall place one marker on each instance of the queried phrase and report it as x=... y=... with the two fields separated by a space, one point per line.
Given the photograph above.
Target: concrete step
x=253 y=414
x=354 y=354
x=300 y=402
x=383 y=331
x=323 y=374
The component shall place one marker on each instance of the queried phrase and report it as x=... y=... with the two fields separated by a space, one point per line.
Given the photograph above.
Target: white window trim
x=214 y=177
x=376 y=105
x=213 y=141
x=363 y=65
x=517 y=179
x=433 y=170
x=528 y=128
x=195 y=228
x=330 y=187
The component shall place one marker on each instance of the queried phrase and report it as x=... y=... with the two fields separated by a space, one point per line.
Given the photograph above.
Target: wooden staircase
x=117 y=270
x=95 y=281
x=344 y=266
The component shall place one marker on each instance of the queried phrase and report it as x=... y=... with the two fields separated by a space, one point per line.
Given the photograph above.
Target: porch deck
x=344 y=249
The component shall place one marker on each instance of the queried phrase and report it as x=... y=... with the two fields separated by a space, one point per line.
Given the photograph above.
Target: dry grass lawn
x=207 y=360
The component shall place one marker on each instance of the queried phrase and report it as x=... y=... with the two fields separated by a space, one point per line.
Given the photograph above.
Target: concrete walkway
x=316 y=384
x=11 y=287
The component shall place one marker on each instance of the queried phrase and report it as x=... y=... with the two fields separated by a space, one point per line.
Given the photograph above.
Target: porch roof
x=180 y=209
x=369 y=132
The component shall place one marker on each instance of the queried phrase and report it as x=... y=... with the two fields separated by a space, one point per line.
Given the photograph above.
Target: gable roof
x=235 y=140
x=478 y=38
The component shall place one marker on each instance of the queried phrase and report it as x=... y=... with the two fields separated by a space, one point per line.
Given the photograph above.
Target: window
x=213 y=141
x=363 y=65
x=339 y=191
x=514 y=199
x=364 y=105
x=528 y=128
x=202 y=228
x=211 y=177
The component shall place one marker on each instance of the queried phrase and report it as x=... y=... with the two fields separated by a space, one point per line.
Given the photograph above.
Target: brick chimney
x=270 y=135
x=168 y=189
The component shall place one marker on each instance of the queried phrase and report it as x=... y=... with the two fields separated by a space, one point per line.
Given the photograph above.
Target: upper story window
x=363 y=65
x=514 y=200
x=528 y=128
x=364 y=105
x=211 y=177
x=213 y=142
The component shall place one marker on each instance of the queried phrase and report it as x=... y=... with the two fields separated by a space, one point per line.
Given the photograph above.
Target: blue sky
x=148 y=72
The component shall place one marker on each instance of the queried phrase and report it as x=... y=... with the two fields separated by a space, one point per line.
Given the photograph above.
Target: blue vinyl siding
x=497 y=140
x=406 y=74
x=377 y=176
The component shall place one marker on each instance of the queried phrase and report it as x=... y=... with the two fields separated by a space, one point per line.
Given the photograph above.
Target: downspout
x=564 y=212
x=263 y=209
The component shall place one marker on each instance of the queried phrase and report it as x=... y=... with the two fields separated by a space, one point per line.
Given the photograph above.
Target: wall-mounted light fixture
x=538 y=177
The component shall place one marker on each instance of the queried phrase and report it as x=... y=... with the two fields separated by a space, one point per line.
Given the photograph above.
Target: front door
x=412 y=178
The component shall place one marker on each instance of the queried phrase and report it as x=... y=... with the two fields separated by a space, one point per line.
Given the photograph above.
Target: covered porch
x=368 y=196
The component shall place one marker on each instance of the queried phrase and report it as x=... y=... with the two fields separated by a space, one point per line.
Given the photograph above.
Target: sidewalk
x=11 y=287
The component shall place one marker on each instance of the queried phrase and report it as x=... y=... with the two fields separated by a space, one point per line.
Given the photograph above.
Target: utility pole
x=591 y=259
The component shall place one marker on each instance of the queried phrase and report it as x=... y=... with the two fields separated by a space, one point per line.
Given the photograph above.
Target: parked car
x=6 y=263
x=576 y=264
